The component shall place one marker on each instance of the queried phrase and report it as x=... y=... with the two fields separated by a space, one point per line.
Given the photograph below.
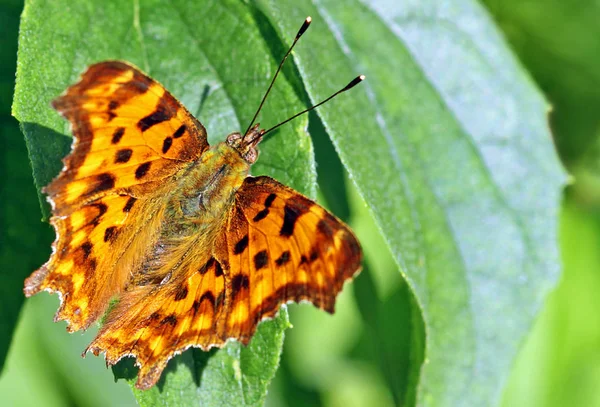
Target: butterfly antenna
x=300 y=32
x=349 y=86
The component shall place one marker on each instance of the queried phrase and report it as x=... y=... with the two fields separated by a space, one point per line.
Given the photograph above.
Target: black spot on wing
x=295 y=207
x=261 y=259
x=207 y=266
x=161 y=114
x=314 y=255
x=142 y=170
x=238 y=283
x=103 y=182
x=261 y=215
x=123 y=155
x=167 y=143
x=180 y=131
x=110 y=233
x=290 y=216
x=86 y=248
x=269 y=200
x=206 y=296
x=283 y=259
x=116 y=137
x=102 y=208
x=326 y=226
x=129 y=204
x=218 y=270
x=241 y=245
x=182 y=292
x=171 y=320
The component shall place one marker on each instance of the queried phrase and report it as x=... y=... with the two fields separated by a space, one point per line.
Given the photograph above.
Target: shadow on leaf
x=193 y=359
x=395 y=338
x=46 y=149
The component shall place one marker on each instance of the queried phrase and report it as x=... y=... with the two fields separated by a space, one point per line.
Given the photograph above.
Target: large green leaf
x=447 y=143
x=449 y=146
x=214 y=58
x=559 y=45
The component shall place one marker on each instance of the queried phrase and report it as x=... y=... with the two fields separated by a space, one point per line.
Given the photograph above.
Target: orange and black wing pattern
x=129 y=135
x=274 y=247
x=281 y=247
x=153 y=322
x=128 y=130
x=197 y=283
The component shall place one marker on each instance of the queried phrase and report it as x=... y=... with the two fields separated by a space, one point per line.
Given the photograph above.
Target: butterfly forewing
x=130 y=134
x=128 y=131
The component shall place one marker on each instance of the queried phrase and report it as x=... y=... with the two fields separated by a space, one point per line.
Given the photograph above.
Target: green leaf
x=567 y=68
x=44 y=358
x=215 y=59
x=559 y=45
x=447 y=142
x=24 y=240
x=558 y=365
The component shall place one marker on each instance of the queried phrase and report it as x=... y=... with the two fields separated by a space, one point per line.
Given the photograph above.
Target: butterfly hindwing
x=281 y=247
x=186 y=309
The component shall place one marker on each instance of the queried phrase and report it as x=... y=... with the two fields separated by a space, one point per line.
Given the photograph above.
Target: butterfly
x=169 y=240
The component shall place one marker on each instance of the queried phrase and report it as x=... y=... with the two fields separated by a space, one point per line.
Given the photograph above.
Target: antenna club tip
x=304 y=27
x=354 y=82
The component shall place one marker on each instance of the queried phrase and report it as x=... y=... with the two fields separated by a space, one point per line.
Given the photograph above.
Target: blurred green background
x=356 y=358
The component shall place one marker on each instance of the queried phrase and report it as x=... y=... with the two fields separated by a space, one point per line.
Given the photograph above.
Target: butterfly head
x=247 y=144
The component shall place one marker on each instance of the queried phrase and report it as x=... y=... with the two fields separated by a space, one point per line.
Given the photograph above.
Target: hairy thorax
x=206 y=190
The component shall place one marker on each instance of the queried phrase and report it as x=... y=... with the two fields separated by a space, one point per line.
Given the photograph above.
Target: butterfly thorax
x=208 y=187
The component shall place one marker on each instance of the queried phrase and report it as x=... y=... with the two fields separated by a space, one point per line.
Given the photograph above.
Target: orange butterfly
x=194 y=250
